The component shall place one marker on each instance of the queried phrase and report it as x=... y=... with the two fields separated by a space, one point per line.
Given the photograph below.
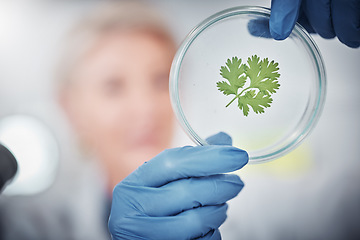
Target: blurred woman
x=114 y=86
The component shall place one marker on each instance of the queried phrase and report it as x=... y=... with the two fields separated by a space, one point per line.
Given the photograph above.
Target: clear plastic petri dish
x=243 y=32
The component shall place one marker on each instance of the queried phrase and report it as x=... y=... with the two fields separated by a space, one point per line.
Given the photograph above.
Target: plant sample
x=252 y=83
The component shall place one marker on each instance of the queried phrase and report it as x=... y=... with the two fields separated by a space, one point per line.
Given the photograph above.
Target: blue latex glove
x=328 y=18
x=179 y=194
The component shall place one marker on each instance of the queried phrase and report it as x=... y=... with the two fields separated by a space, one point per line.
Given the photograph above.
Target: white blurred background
x=321 y=176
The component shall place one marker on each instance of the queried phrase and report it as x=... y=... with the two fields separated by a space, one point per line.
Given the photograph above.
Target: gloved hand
x=328 y=18
x=179 y=194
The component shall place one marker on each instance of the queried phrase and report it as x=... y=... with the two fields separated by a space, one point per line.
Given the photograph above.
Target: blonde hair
x=109 y=17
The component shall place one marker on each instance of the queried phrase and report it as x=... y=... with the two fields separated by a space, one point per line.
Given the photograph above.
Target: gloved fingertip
x=327 y=35
x=220 y=138
x=237 y=158
x=259 y=28
x=234 y=185
x=244 y=157
x=214 y=234
x=351 y=44
x=232 y=178
x=225 y=207
x=278 y=36
x=278 y=30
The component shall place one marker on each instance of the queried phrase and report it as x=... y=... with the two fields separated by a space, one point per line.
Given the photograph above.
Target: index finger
x=185 y=162
x=284 y=14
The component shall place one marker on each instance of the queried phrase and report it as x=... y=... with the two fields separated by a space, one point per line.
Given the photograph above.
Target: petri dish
x=243 y=31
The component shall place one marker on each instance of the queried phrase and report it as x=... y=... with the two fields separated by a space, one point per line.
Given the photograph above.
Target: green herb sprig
x=261 y=78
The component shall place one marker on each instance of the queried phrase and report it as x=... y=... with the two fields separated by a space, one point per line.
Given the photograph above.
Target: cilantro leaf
x=257 y=102
x=232 y=72
x=263 y=75
x=262 y=81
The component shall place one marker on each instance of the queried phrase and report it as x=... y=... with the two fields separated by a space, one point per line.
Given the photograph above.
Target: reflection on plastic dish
x=35 y=150
x=243 y=32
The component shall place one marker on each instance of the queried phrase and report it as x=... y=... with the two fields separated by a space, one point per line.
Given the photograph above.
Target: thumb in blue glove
x=179 y=194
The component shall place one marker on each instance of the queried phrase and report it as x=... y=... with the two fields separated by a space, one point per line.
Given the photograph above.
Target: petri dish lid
x=242 y=32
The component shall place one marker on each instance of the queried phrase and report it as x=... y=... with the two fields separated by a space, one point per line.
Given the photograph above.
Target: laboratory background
x=312 y=192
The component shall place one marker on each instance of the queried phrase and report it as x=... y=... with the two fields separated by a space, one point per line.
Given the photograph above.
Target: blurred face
x=118 y=100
